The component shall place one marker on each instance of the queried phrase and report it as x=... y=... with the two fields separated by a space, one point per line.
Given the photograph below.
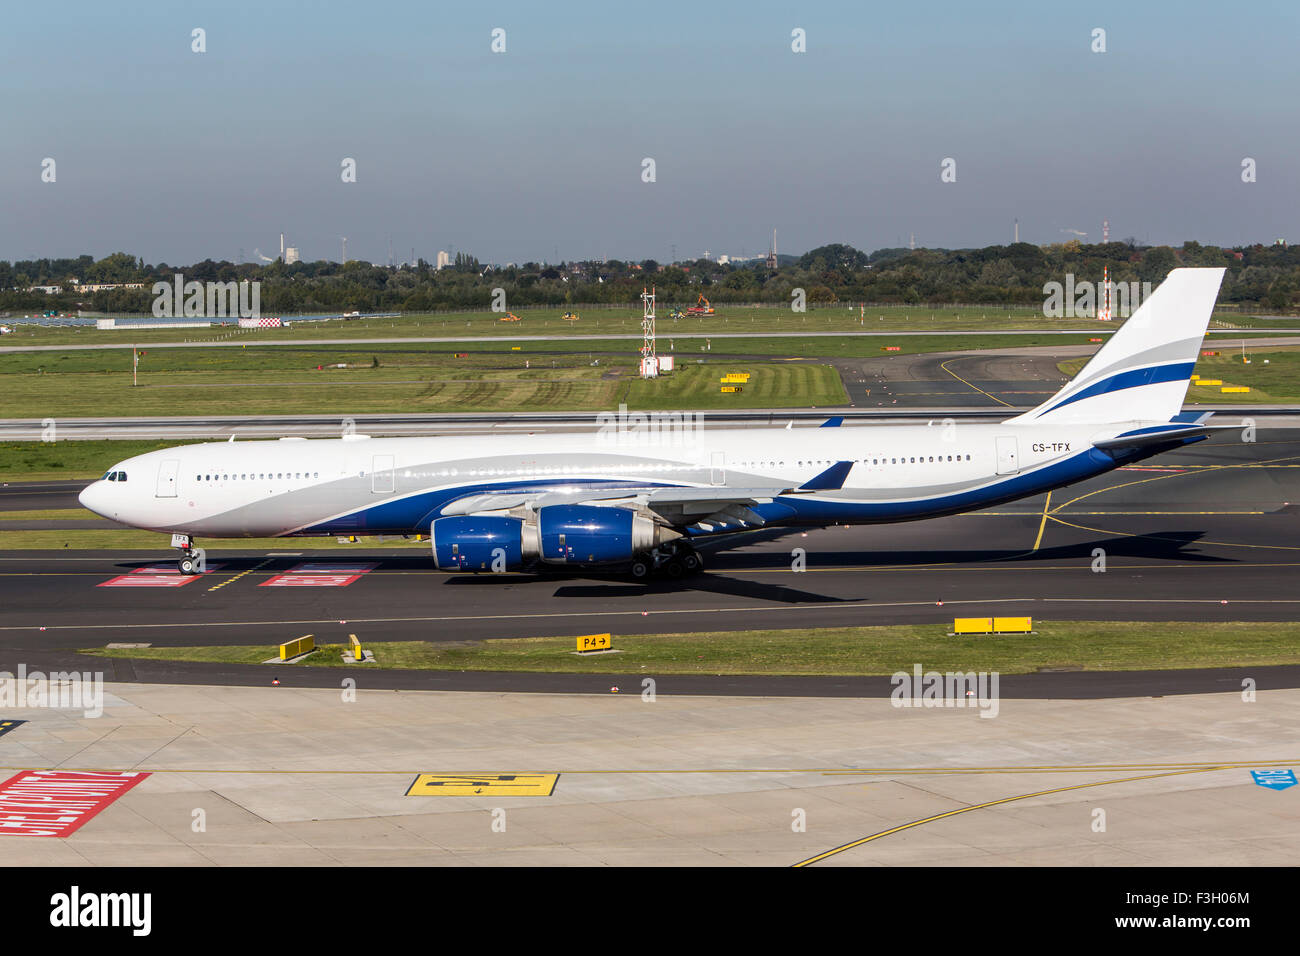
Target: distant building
x=84 y=287
x=291 y=255
x=444 y=260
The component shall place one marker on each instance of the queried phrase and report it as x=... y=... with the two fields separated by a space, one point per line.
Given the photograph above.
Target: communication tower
x=1104 y=312
x=649 y=359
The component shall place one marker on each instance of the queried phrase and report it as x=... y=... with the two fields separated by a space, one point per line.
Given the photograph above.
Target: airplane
x=641 y=504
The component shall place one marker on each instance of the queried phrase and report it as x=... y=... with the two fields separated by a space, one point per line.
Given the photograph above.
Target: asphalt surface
x=1011 y=380
x=1208 y=533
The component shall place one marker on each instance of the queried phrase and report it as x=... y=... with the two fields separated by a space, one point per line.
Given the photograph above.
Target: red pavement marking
x=319 y=575
x=159 y=576
x=57 y=802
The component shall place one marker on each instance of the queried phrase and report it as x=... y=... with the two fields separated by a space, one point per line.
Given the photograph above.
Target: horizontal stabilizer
x=1159 y=434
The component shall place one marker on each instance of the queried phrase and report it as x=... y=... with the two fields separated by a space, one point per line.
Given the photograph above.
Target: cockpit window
x=121 y=476
x=107 y=476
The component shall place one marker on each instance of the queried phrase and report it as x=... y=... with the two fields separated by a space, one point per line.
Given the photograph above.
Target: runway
x=1208 y=533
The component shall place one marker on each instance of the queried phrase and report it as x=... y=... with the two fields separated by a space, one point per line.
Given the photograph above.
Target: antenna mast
x=649 y=358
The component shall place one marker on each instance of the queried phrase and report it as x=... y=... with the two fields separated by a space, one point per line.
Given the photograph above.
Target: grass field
x=58 y=460
x=1273 y=376
x=558 y=376
x=1103 y=646
x=593 y=321
x=256 y=382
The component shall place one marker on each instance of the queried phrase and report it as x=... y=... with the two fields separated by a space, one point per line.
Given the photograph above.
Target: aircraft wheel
x=187 y=565
x=692 y=563
x=674 y=568
x=640 y=569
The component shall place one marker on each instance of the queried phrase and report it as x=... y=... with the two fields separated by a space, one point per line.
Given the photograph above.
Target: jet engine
x=482 y=543
x=556 y=534
x=587 y=534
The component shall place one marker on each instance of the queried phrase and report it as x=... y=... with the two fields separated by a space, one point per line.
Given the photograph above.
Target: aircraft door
x=382 y=478
x=718 y=468
x=1008 y=455
x=167 y=478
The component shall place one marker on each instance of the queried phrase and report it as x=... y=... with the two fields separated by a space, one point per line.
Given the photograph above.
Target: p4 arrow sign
x=1274 y=779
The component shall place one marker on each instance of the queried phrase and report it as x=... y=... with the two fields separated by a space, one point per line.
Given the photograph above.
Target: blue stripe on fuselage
x=1065 y=472
x=413 y=514
x=1134 y=378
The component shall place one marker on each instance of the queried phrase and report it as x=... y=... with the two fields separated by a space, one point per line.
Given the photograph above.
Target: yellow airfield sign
x=483 y=784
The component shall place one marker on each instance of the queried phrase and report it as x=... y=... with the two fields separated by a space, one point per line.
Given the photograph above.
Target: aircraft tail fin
x=1142 y=372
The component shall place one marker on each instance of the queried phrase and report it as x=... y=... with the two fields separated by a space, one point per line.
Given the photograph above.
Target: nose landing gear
x=192 y=560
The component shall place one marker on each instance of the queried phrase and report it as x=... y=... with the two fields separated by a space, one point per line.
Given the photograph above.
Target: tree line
x=1258 y=276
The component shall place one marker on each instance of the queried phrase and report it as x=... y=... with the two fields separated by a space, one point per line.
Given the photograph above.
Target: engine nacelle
x=481 y=543
x=588 y=534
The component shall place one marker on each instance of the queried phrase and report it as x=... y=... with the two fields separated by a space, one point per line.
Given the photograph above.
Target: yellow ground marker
x=491 y=784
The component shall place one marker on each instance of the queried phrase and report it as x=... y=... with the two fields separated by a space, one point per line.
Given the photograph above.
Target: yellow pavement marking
x=1185 y=766
x=1162 y=477
x=1120 y=514
x=218 y=587
x=492 y=784
x=1160 y=537
x=944 y=366
x=994 y=803
x=1043 y=524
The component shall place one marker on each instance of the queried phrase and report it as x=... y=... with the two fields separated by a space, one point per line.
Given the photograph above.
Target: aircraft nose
x=94 y=498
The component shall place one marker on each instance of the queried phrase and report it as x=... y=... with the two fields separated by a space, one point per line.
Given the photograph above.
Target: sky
x=537 y=152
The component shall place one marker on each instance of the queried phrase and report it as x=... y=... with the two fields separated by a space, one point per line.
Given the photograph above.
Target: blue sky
x=536 y=153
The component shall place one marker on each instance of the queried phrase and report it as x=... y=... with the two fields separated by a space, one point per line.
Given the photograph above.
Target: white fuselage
x=399 y=485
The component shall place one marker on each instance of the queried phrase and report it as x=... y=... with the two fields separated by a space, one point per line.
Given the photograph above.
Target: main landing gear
x=672 y=561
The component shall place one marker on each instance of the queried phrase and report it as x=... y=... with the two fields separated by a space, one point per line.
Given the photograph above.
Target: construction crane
x=701 y=307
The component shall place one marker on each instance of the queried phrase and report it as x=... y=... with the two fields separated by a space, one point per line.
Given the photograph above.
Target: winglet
x=830 y=479
x=834 y=422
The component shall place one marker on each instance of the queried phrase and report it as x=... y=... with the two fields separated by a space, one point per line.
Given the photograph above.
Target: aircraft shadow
x=708 y=582
x=1165 y=546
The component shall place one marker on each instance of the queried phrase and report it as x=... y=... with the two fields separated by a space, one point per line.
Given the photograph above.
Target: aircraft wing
x=702 y=510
